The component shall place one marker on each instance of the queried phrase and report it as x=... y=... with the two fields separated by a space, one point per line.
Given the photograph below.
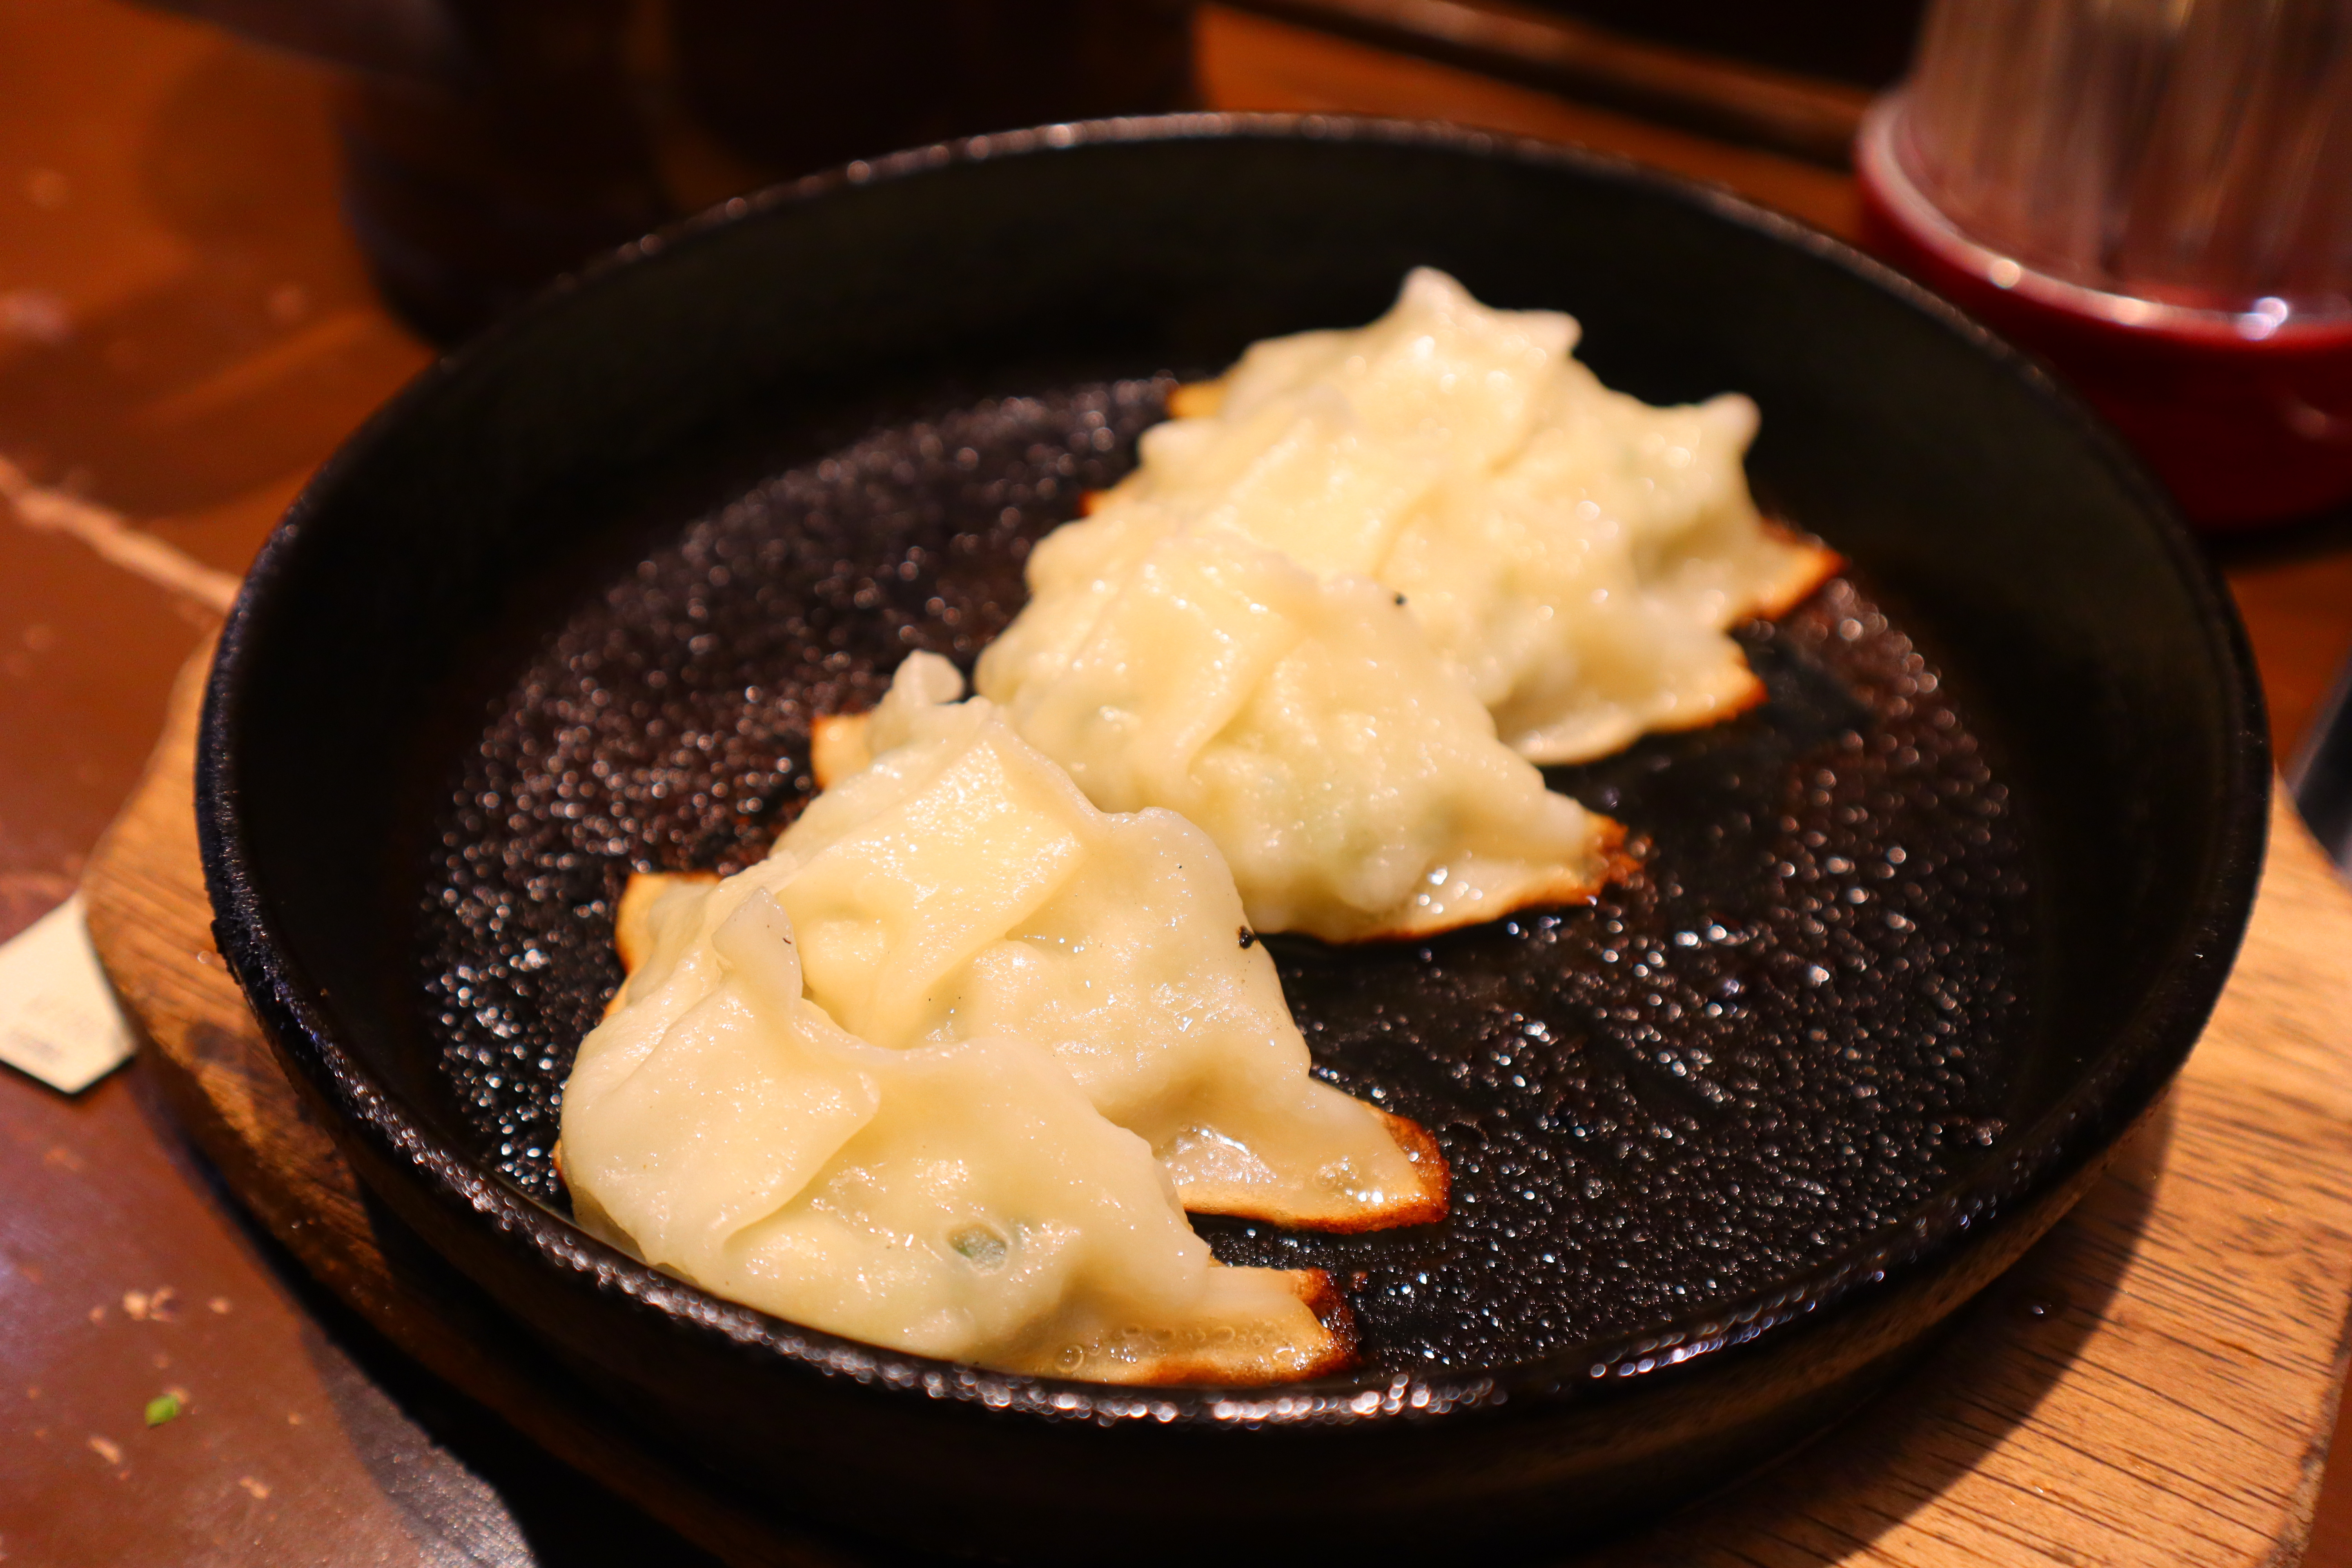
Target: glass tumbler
x=2157 y=196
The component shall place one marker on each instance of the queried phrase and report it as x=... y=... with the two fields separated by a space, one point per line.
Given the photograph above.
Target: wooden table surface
x=185 y=332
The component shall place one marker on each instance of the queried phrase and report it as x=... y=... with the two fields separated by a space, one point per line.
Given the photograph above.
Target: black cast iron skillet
x=1913 y=945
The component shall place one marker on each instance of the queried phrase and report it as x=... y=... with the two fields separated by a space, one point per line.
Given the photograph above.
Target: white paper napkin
x=58 y=1017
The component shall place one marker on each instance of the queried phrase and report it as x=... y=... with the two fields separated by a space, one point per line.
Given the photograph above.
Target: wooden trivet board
x=2155 y=1383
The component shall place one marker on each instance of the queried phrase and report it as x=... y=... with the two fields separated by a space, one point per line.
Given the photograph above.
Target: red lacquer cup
x=2246 y=415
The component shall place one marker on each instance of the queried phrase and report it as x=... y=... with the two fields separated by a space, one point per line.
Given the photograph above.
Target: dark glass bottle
x=804 y=86
x=471 y=187
x=488 y=144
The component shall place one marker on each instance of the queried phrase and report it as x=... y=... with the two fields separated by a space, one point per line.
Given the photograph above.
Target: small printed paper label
x=58 y=1017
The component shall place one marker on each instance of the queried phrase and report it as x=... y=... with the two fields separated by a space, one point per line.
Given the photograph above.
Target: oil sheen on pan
x=1799 y=1016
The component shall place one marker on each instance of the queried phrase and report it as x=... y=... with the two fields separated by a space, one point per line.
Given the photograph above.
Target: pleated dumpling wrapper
x=1577 y=554
x=1348 y=774
x=1335 y=609
x=962 y=1200
x=1049 y=1012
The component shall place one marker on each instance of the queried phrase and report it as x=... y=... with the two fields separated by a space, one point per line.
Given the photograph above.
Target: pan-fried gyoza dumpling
x=958 y=884
x=1575 y=554
x=960 y=1199
x=1354 y=783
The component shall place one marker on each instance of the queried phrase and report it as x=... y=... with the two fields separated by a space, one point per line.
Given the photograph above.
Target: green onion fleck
x=161 y=1408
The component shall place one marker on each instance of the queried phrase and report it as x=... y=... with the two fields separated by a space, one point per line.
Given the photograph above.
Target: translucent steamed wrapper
x=1575 y=554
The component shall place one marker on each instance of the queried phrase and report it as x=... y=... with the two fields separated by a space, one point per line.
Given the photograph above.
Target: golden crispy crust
x=1341 y=1215
x=1750 y=694
x=1814 y=565
x=1197 y=399
x=1335 y=1352
x=1616 y=861
x=1429 y=1159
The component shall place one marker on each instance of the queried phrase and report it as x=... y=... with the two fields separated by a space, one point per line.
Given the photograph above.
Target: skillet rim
x=2111 y=1095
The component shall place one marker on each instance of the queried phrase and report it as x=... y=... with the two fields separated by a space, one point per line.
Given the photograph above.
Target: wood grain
x=2155 y=1383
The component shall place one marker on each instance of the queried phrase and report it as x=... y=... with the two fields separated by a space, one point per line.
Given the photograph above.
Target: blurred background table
x=185 y=330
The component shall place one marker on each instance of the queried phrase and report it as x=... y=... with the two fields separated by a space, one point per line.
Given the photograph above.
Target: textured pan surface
x=1796 y=1022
